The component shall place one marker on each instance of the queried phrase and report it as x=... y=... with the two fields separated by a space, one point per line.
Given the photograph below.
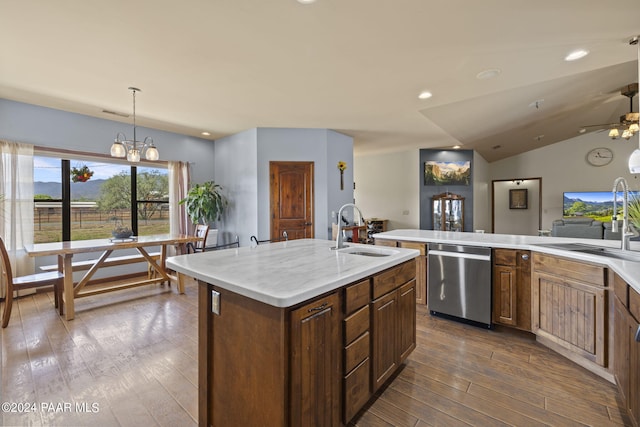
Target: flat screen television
x=594 y=204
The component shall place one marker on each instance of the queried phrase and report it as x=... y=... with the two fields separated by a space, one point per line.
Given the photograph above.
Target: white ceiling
x=355 y=66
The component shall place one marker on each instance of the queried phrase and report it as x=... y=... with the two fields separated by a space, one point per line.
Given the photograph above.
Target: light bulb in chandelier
x=614 y=134
x=133 y=149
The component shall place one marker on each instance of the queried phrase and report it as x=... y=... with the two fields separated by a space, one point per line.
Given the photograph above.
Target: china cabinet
x=448 y=212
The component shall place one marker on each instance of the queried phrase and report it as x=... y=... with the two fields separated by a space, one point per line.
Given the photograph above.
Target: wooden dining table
x=66 y=250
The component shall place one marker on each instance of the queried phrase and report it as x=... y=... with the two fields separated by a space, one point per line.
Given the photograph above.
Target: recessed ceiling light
x=583 y=130
x=576 y=54
x=488 y=74
x=425 y=95
x=457 y=147
x=205 y=133
x=306 y=1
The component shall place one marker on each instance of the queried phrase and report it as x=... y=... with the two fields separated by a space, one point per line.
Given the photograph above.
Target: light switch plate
x=215 y=302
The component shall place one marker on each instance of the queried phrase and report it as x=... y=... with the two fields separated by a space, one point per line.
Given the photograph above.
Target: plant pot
x=122 y=234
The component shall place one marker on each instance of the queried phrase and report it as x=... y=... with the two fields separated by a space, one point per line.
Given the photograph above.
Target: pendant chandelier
x=132 y=149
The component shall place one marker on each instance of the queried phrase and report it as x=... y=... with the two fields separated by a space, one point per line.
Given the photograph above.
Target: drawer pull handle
x=318 y=308
x=638 y=334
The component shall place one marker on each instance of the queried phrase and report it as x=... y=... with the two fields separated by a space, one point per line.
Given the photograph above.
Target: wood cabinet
x=421 y=264
x=570 y=310
x=627 y=346
x=357 y=344
x=315 y=363
x=306 y=365
x=392 y=311
x=512 y=288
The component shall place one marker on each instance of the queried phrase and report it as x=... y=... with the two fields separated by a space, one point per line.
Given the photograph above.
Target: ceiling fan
x=628 y=122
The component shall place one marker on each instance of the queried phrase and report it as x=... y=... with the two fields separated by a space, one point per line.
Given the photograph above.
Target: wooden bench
x=109 y=262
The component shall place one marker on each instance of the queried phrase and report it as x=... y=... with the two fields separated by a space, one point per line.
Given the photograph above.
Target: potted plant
x=205 y=204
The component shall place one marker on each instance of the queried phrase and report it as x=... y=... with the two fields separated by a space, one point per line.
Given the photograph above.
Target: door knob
x=525 y=257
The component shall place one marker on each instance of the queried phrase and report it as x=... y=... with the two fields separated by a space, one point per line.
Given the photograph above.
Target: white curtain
x=16 y=214
x=179 y=178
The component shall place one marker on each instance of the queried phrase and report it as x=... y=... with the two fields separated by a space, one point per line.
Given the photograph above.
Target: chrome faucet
x=339 y=237
x=627 y=229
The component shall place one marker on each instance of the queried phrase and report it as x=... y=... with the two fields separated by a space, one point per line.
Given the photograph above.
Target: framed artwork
x=447 y=173
x=518 y=198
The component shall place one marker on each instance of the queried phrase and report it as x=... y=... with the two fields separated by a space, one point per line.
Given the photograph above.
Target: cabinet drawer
x=569 y=269
x=357 y=296
x=356 y=352
x=392 y=278
x=504 y=257
x=620 y=289
x=356 y=390
x=634 y=304
x=422 y=247
x=356 y=324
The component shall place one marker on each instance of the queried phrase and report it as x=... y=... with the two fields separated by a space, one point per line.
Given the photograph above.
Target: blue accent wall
x=428 y=191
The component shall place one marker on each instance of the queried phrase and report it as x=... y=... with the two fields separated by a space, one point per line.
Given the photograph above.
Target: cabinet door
x=384 y=324
x=315 y=363
x=571 y=314
x=406 y=320
x=523 y=290
x=621 y=348
x=634 y=371
x=504 y=295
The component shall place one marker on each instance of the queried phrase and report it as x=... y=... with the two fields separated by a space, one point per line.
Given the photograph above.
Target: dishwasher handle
x=459 y=255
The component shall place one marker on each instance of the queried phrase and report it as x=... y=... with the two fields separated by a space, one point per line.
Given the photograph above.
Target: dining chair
x=285 y=237
x=11 y=283
x=202 y=231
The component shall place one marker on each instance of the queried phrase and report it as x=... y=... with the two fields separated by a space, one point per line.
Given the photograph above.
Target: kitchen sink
x=372 y=252
x=596 y=250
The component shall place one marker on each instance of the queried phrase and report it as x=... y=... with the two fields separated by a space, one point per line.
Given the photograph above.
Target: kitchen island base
x=309 y=364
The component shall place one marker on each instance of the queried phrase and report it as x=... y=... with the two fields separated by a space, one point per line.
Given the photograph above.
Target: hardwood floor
x=131 y=357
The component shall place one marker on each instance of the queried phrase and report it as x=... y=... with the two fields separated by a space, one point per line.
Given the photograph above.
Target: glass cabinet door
x=448 y=212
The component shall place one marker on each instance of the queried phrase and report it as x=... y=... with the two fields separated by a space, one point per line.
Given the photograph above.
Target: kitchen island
x=295 y=333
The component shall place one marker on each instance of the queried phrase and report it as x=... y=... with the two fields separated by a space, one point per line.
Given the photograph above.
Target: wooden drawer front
x=356 y=352
x=392 y=278
x=422 y=247
x=620 y=288
x=381 y=242
x=357 y=296
x=356 y=324
x=570 y=269
x=356 y=390
x=634 y=304
x=504 y=257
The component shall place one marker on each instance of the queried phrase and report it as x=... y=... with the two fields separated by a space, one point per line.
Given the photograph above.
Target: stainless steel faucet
x=339 y=238
x=627 y=229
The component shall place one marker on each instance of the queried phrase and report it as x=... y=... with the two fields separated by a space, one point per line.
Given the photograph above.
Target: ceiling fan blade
x=609 y=125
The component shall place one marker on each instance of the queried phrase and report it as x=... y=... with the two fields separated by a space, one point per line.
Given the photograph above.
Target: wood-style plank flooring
x=130 y=359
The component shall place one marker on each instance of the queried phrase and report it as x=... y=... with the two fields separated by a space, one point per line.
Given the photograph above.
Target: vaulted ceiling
x=355 y=66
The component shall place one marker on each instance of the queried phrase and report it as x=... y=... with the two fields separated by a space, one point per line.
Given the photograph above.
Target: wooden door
x=315 y=363
x=384 y=323
x=291 y=194
x=406 y=319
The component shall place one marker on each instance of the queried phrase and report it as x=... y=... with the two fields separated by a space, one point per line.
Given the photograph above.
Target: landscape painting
x=594 y=204
x=447 y=173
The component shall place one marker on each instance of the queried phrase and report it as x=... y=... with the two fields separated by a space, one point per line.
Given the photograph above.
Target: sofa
x=583 y=228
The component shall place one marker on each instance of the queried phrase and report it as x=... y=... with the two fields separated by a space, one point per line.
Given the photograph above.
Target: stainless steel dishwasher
x=459 y=282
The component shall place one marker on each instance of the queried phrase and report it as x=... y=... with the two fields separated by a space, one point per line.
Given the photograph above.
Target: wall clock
x=599 y=156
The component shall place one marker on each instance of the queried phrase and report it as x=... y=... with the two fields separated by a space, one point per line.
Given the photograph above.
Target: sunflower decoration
x=81 y=174
x=342 y=166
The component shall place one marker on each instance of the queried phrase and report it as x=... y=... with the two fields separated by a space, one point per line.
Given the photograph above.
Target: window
x=77 y=199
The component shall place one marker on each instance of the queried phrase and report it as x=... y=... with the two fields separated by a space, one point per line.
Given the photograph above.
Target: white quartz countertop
x=287 y=273
x=628 y=270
